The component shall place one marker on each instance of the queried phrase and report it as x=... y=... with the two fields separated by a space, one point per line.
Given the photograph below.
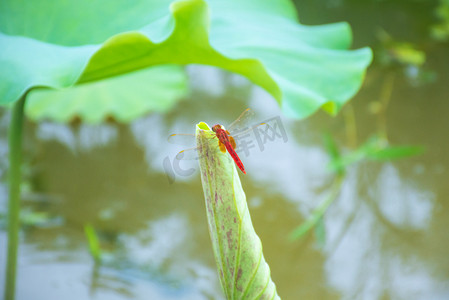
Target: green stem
x=15 y=178
x=385 y=96
x=350 y=125
x=319 y=212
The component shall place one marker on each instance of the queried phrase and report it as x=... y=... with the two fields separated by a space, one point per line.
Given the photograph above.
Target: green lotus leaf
x=243 y=271
x=123 y=98
x=62 y=43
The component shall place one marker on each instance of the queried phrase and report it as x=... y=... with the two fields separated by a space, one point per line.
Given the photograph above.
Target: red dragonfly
x=226 y=141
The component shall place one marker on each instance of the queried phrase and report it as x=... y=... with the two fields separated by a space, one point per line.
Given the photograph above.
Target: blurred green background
x=384 y=237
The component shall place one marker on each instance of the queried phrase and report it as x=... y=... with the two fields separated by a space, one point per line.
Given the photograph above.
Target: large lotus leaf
x=123 y=98
x=62 y=43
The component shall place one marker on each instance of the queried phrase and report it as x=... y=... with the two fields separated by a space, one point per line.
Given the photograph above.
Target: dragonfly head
x=216 y=127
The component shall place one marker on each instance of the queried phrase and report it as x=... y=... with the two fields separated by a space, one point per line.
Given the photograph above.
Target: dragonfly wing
x=243 y=122
x=232 y=141
x=193 y=154
x=183 y=139
x=222 y=147
x=188 y=154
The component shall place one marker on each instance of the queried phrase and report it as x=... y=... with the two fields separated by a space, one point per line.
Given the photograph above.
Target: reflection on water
x=400 y=203
x=373 y=238
x=84 y=138
x=385 y=235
